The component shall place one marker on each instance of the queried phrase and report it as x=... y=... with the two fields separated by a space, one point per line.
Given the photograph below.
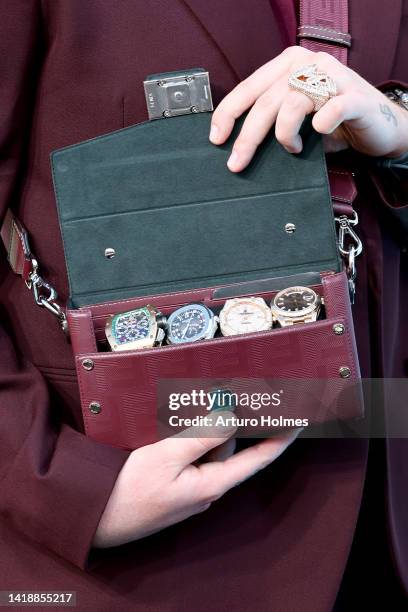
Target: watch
x=135 y=329
x=399 y=96
x=191 y=323
x=296 y=305
x=244 y=316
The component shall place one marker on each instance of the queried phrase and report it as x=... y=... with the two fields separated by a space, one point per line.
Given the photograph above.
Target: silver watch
x=191 y=323
x=399 y=96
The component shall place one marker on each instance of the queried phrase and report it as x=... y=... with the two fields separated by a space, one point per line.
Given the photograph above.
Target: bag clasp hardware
x=169 y=94
x=350 y=247
x=45 y=295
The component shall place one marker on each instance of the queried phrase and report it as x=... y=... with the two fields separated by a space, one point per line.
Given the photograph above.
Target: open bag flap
x=161 y=196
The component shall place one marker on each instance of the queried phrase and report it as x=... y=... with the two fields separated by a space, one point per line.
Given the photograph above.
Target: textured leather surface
x=126 y=384
x=161 y=195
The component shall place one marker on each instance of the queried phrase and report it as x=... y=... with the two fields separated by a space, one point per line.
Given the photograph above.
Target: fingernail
x=214 y=132
x=297 y=146
x=233 y=160
x=334 y=127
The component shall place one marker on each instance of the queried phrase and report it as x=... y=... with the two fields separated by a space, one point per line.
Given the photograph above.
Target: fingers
x=222 y=452
x=279 y=104
x=336 y=110
x=219 y=477
x=271 y=99
x=244 y=95
x=184 y=448
x=257 y=124
x=292 y=112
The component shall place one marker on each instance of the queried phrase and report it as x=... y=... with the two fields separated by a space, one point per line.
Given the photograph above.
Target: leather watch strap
x=15 y=240
x=323 y=26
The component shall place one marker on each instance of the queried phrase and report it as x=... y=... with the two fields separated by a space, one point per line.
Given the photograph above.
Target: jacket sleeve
x=392 y=185
x=54 y=481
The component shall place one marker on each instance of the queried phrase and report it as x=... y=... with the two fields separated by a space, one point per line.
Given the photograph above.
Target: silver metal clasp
x=178 y=93
x=350 y=247
x=45 y=295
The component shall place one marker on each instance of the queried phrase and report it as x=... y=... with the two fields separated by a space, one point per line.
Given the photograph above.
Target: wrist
x=400 y=110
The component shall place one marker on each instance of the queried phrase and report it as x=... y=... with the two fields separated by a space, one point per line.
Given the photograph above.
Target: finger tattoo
x=388 y=114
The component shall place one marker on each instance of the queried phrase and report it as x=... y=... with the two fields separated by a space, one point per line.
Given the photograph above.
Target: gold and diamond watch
x=245 y=315
x=135 y=329
x=296 y=305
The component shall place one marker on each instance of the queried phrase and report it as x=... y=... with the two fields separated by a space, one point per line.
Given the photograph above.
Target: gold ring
x=314 y=83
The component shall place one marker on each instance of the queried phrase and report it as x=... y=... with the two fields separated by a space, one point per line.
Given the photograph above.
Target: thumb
x=189 y=445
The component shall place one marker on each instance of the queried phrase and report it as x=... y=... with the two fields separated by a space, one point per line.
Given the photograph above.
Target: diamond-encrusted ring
x=314 y=83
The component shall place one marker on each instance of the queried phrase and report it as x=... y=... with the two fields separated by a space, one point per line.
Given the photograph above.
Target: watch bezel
x=227 y=330
x=147 y=342
x=298 y=314
x=207 y=334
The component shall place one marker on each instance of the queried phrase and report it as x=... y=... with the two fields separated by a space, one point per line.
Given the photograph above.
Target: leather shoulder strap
x=323 y=26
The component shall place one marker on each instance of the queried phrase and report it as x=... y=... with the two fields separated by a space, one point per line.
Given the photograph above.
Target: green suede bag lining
x=160 y=194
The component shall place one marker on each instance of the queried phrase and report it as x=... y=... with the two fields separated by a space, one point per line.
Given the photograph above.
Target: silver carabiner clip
x=351 y=250
x=347 y=233
x=37 y=284
x=351 y=273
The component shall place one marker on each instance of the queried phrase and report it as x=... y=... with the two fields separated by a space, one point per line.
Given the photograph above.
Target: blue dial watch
x=191 y=323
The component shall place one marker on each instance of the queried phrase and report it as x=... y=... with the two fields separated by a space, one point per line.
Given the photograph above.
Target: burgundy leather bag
x=124 y=385
x=163 y=179
x=181 y=238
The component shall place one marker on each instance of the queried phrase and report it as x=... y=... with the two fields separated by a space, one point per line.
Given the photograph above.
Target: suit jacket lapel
x=248 y=33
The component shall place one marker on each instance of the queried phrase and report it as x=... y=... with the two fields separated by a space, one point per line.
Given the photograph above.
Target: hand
x=159 y=485
x=359 y=116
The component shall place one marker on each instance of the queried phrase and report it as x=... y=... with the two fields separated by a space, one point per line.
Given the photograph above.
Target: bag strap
x=323 y=26
x=15 y=240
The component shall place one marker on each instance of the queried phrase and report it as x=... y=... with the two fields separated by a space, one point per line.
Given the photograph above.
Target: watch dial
x=189 y=323
x=295 y=300
x=131 y=326
x=247 y=316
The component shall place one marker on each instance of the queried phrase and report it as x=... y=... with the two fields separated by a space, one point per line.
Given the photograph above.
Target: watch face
x=129 y=327
x=295 y=300
x=245 y=315
x=189 y=323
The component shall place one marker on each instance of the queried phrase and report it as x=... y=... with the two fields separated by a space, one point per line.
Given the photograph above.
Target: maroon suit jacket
x=71 y=70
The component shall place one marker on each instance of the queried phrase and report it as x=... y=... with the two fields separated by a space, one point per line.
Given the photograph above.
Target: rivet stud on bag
x=290 y=228
x=88 y=364
x=95 y=407
x=345 y=372
x=339 y=329
x=110 y=253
